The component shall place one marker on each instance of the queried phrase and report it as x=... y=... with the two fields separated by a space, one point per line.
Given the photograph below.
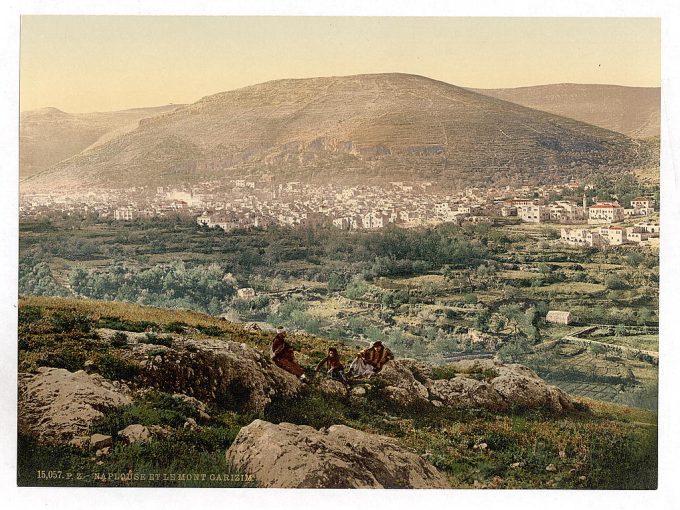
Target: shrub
x=614 y=282
x=70 y=321
x=115 y=368
x=175 y=327
x=119 y=339
x=356 y=289
x=153 y=339
x=470 y=299
x=67 y=356
x=210 y=330
x=29 y=314
x=443 y=372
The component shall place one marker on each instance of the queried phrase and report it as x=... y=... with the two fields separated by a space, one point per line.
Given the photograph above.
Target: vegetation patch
x=153 y=339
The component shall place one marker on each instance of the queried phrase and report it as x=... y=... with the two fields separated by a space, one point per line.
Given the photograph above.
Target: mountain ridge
x=49 y=135
x=351 y=128
x=633 y=111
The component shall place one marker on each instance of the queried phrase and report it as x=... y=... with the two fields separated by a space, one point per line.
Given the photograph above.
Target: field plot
x=427 y=294
x=580 y=371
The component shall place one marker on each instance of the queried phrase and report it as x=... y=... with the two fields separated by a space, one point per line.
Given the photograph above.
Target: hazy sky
x=101 y=63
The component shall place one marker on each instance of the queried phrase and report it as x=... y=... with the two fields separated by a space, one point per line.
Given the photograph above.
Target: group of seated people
x=367 y=362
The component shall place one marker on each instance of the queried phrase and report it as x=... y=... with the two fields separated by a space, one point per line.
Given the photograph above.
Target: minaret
x=585 y=202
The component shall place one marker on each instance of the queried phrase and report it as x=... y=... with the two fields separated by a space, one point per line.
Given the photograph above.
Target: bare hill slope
x=49 y=135
x=353 y=128
x=633 y=111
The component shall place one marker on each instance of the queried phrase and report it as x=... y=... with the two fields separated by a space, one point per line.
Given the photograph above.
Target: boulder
x=98 y=441
x=465 y=393
x=420 y=370
x=477 y=383
x=525 y=392
x=401 y=386
x=233 y=375
x=200 y=407
x=135 y=434
x=58 y=406
x=298 y=456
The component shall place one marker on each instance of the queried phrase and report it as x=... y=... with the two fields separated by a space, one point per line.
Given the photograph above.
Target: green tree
x=336 y=283
x=470 y=299
x=482 y=320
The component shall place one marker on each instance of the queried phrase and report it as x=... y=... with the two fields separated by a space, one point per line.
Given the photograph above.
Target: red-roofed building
x=605 y=212
x=642 y=203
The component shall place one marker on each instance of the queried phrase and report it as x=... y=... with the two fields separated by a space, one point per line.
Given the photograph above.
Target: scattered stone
x=582 y=478
x=515 y=465
x=98 y=441
x=200 y=407
x=358 y=391
x=495 y=483
x=160 y=432
x=103 y=451
x=551 y=467
x=135 y=434
x=287 y=455
x=480 y=446
x=58 y=406
x=191 y=424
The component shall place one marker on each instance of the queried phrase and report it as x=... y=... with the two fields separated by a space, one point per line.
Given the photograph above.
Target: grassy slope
x=610 y=447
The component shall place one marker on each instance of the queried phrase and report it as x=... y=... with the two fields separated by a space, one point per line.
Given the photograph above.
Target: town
x=243 y=204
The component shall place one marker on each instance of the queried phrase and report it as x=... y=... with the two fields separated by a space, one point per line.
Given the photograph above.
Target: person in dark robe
x=334 y=367
x=283 y=355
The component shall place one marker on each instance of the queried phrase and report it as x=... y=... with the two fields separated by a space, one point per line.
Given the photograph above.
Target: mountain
x=346 y=129
x=49 y=135
x=633 y=111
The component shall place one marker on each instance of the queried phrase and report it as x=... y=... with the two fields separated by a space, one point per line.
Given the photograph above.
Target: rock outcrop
x=485 y=383
x=58 y=406
x=298 y=456
x=227 y=373
x=402 y=387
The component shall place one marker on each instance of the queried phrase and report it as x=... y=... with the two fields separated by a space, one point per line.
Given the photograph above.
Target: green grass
x=182 y=451
x=152 y=464
x=609 y=449
x=605 y=448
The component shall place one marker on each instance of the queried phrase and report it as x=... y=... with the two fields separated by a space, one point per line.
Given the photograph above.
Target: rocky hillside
x=633 y=111
x=49 y=135
x=119 y=393
x=349 y=129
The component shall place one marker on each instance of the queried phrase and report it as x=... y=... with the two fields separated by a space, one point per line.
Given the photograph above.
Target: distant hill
x=633 y=111
x=353 y=128
x=49 y=135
